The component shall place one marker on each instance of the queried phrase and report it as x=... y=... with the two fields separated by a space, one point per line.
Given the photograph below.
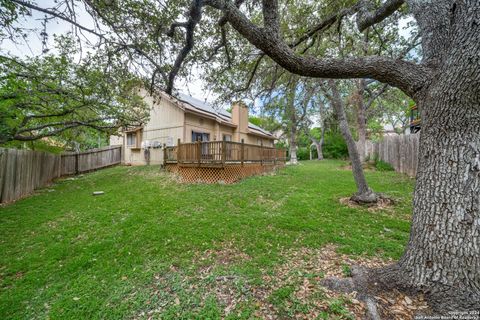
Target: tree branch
x=323 y=25
x=374 y=96
x=56 y=14
x=174 y=26
x=252 y=74
x=18 y=136
x=407 y=76
x=60 y=123
x=366 y=19
x=270 y=17
x=195 y=14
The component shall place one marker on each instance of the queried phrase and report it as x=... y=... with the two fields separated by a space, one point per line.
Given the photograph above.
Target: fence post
x=76 y=162
x=242 y=152
x=261 y=152
x=164 y=155
x=224 y=152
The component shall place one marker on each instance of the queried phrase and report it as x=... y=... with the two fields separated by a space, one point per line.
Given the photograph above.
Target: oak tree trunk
x=443 y=253
x=319 y=145
x=319 y=151
x=293 y=145
x=293 y=121
x=361 y=119
x=364 y=193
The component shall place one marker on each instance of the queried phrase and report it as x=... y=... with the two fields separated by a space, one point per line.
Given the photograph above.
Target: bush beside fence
x=23 y=171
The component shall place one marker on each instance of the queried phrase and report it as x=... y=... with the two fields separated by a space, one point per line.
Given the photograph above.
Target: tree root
x=369 y=283
x=359 y=283
x=370 y=198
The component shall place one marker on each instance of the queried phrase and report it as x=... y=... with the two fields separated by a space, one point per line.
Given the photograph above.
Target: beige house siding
x=197 y=124
x=165 y=126
x=224 y=130
x=203 y=125
x=170 y=120
x=253 y=139
x=116 y=140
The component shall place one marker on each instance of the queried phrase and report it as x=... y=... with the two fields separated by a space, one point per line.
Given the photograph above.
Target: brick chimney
x=240 y=118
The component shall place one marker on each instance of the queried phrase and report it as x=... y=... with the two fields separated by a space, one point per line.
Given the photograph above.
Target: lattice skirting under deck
x=227 y=174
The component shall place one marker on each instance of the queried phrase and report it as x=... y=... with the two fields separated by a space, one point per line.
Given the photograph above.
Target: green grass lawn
x=153 y=247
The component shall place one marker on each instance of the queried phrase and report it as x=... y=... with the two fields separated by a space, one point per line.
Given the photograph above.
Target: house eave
x=133 y=129
x=260 y=135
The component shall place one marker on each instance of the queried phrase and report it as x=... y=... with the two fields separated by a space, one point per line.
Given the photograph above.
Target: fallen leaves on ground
x=292 y=290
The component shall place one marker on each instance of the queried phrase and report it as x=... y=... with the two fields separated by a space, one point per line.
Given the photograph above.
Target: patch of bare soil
x=383 y=203
x=366 y=166
x=225 y=256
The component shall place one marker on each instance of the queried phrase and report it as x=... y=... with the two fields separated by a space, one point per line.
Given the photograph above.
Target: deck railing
x=222 y=152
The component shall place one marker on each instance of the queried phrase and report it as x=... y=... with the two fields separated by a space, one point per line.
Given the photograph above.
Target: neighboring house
x=187 y=119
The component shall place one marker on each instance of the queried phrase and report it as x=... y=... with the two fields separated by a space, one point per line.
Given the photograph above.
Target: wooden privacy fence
x=78 y=162
x=22 y=171
x=401 y=151
x=221 y=153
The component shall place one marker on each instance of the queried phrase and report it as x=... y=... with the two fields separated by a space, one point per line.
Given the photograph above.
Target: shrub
x=334 y=146
x=303 y=153
x=383 y=166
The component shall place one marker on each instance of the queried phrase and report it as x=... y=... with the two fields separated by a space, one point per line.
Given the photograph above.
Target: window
x=134 y=138
x=200 y=136
x=131 y=139
x=259 y=142
x=227 y=137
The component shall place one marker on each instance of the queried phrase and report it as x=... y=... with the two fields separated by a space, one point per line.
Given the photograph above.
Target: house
x=185 y=119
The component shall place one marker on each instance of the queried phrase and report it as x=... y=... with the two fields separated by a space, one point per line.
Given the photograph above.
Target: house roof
x=224 y=115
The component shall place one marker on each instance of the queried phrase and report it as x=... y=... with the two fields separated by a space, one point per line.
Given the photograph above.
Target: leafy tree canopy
x=49 y=95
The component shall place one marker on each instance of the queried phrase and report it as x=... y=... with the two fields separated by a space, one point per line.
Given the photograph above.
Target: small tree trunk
x=319 y=151
x=361 y=119
x=293 y=148
x=320 y=144
x=293 y=135
x=364 y=193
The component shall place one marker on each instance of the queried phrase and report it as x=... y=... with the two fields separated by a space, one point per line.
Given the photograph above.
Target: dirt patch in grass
x=383 y=203
x=224 y=257
x=366 y=166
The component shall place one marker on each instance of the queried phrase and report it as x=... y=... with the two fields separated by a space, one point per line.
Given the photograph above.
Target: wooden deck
x=221 y=161
x=221 y=153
